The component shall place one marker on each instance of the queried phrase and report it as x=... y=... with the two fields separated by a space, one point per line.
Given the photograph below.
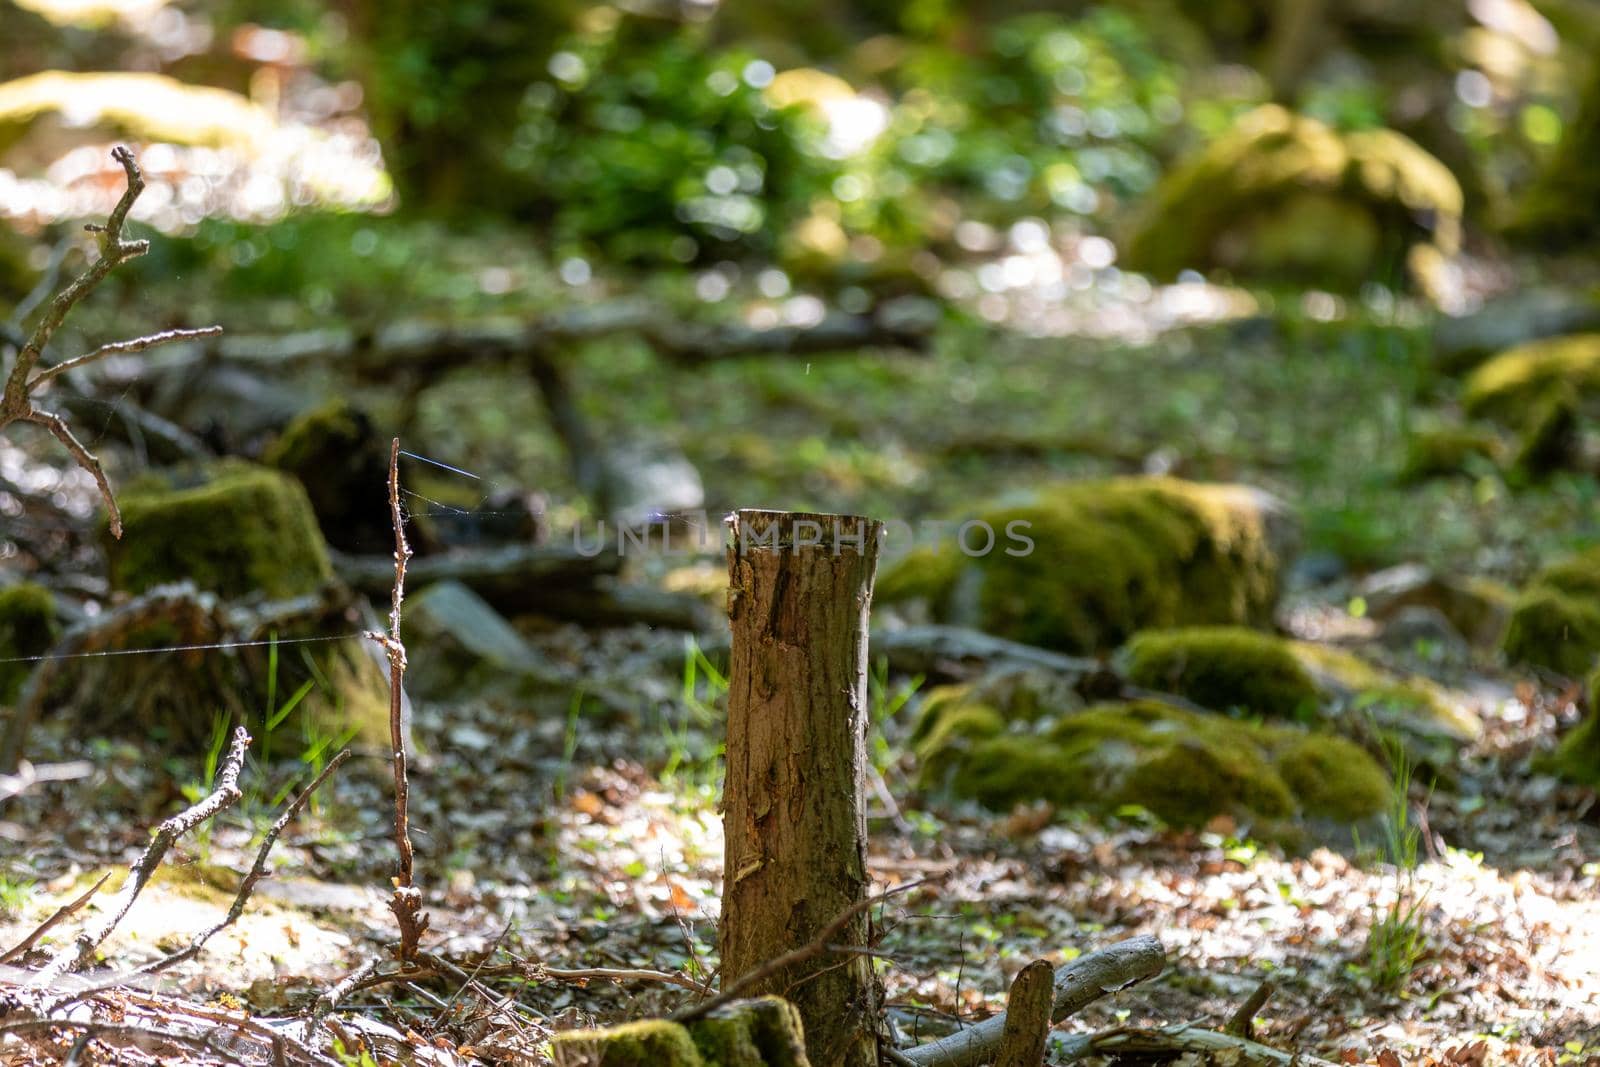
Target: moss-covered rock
x=338 y=456
x=28 y=627
x=243 y=530
x=763 y=1032
x=1108 y=559
x=1577 y=757
x=1477 y=607
x=1184 y=766
x=651 y=1043
x=1556 y=621
x=1443 y=451
x=1551 y=440
x=1512 y=387
x=1285 y=197
x=1422 y=713
x=1223 y=668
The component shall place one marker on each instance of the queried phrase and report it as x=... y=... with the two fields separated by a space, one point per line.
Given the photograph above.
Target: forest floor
x=579 y=841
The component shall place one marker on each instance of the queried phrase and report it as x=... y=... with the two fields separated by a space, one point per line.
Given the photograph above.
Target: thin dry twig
x=136 y=344
x=257 y=871
x=407 y=900
x=224 y=793
x=67 y=910
x=819 y=945
x=16 y=401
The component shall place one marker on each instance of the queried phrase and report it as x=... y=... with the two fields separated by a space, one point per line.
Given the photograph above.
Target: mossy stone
x=1184 y=766
x=1550 y=440
x=1445 y=451
x=336 y=453
x=1555 y=623
x=1331 y=776
x=1415 y=707
x=1223 y=668
x=245 y=530
x=1285 y=197
x=1577 y=757
x=1109 y=558
x=650 y=1043
x=28 y=627
x=1513 y=386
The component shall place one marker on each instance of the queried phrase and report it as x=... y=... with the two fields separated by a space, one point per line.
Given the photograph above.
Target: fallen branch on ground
x=822 y=943
x=1172 y=1041
x=257 y=871
x=1027 y=1017
x=224 y=793
x=1076 y=985
x=66 y=911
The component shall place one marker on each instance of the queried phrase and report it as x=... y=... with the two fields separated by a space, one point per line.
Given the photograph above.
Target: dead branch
x=407 y=900
x=619 y=974
x=1171 y=1041
x=819 y=945
x=330 y=999
x=1242 y=1024
x=511 y=576
x=66 y=911
x=224 y=793
x=1027 y=1017
x=1076 y=985
x=16 y=402
x=257 y=871
x=28 y=775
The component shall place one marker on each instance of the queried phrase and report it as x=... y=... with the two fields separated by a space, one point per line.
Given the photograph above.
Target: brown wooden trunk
x=794 y=810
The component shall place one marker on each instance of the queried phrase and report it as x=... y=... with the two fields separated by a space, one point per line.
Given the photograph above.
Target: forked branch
x=21 y=383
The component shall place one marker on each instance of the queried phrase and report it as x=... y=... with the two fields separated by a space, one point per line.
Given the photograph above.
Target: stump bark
x=794 y=808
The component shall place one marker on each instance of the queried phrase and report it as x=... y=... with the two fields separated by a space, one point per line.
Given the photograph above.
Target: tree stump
x=794 y=807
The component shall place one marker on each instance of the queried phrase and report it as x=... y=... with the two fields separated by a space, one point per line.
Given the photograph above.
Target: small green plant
x=703 y=698
x=569 y=745
x=1397 y=940
x=885 y=703
x=14 y=895
x=195 y=789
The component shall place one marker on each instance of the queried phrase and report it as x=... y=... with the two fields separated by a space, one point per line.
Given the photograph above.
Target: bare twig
x=621 y=974
x=224 y=793
x=66 y=911
x=1242 y=1024
x=407 y=900
x=257 y=871
x=818 y=946
x=16 y=401
x=137 y=344
x=331 y=998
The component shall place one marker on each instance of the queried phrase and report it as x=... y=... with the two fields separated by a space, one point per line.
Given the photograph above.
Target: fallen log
x=1076 y=985
x=515 y=577
x=1172 y=1041
x=957 y=652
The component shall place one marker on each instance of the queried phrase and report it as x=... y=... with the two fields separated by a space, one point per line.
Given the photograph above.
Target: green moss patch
x=1284 y=197
x=651 y=1043
x=28 y=627
x=1444 y=451
x=246 y=530
x=1555 y=623
x=1184 y=766
x=763 y=1032
x=1108 y=559
x=336 y=454
x=1223 y=668
x=1512 y=387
